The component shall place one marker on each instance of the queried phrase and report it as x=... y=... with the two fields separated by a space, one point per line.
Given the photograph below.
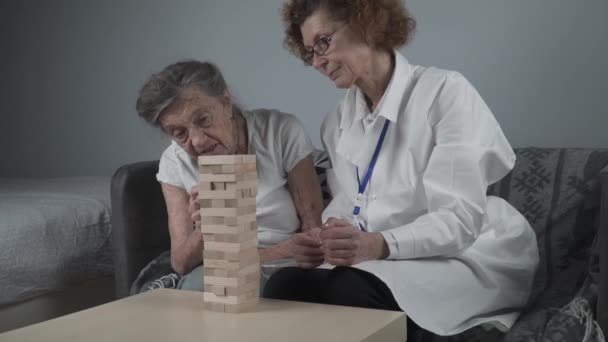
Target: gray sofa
x=562 y=192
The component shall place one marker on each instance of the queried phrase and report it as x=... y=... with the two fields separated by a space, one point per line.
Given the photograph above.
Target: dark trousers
x=353 y=287
x=341 y=286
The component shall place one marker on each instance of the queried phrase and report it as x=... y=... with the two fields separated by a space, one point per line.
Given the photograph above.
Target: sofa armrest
x=602 y=303
x=139 y=221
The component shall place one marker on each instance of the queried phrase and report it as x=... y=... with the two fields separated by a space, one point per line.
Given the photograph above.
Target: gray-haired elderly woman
x=190 y=102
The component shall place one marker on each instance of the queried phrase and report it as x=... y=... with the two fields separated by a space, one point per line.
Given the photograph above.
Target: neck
x=376 y=76
x=242 y=143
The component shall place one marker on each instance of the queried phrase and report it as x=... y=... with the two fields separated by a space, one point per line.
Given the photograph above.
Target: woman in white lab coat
x=413 y=150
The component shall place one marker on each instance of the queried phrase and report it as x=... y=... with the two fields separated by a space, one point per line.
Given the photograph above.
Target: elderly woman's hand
x=345 y=245
x=194 y=208
x=306 y=248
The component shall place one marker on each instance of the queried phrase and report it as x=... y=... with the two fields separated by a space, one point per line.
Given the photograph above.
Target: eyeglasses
x=320 y=47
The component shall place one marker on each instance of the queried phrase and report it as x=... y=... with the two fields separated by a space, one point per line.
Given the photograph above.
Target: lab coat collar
x=356 y=144
x=355 y=108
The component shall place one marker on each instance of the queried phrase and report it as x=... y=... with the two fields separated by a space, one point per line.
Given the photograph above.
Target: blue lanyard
x=370 y=169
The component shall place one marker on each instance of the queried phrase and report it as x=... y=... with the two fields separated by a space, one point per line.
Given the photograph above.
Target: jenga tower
x=227 y=189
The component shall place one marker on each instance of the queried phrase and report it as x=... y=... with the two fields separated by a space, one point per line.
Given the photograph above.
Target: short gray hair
x=164 y=87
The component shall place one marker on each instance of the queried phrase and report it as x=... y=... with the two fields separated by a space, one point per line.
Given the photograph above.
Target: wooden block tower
x=227 y=189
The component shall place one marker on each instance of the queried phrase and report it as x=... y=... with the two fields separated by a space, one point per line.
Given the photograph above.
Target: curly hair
x=384 y=24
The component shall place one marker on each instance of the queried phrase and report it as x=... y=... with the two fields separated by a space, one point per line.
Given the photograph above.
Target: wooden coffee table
x=171 y=315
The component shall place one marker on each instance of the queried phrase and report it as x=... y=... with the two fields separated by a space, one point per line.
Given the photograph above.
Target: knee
x=281 y=284
x=344 y=288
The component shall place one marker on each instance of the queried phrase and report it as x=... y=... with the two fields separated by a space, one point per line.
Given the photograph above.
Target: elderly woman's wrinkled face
x=200 y=124
x=340 y=62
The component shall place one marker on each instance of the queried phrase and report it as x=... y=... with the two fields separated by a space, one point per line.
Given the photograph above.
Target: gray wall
x=71 y=70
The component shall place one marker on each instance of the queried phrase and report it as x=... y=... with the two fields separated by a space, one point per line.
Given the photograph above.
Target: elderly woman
x=192 y=104
x=413 y=150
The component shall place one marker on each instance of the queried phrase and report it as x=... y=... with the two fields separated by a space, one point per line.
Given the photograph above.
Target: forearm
x=309 y=213
x=188 y=254
x=430 y=235
x=305 y=190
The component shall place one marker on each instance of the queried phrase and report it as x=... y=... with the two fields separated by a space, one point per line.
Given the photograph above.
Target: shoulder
x=332 y=120
x=439 y=79
x=273 y=121
x=173 y=153
x=173 y=164
x=272 y=116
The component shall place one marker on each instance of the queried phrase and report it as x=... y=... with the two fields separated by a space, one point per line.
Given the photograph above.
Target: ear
x=227 y=99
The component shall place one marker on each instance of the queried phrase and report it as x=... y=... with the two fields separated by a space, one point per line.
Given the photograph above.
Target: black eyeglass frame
x=320 y=47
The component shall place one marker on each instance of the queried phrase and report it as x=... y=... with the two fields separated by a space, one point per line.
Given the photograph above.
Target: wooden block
x=245 y=167
x=253 y=286
x=205 y=203
x=219 y=291
x=214 y=228
x=227 y=212
x=229 y=177
x=239 y=220
x=232 y=168
x=209 y=169
x=246 y=184
x=247 y=193
x=248 y=306
x=204 y=186
x=248 y=167
x=211 y=220
x=241 y=256
x=241 y=202
x=212 y=306
x=233 y=194
x=218 y=203
x=225 y=220
x=234 y=291
x=249 y=159
x=221 y=177
x=228 y=273
x=231 y=282
x=248 y=176
x=253 y=268
x=219 y=160
x=254 y=226
x=218 y=186
x=252 y=252
x=215 y=203
x=230 y=247
x=230 y=265
x=216 y=272
x=241 y=237
x=243 y=298
x=254 y=191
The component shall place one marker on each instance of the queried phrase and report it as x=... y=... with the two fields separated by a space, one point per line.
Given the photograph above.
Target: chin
x=341 y=84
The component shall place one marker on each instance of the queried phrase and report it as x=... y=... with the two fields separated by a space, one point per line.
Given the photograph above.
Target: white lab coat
x=458 y=258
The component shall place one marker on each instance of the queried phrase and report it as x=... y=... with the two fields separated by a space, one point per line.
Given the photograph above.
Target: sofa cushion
x=558 y=192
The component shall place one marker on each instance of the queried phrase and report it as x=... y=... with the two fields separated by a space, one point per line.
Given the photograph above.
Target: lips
x=334 y=74
x=210 y=149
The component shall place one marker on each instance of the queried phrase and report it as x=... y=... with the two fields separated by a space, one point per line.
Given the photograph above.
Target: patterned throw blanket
x=156 y=275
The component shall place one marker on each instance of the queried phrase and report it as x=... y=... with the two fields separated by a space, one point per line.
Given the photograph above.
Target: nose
x=318 y=62
x=198 y=138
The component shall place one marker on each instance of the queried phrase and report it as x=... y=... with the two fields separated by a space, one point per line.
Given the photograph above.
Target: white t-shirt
x=279 y=141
